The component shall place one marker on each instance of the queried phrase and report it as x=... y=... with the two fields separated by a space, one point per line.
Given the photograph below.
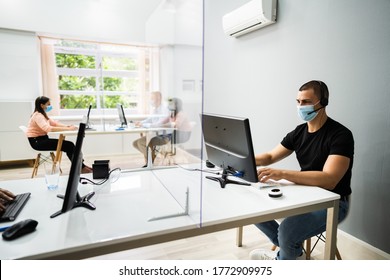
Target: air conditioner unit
x=249 y=17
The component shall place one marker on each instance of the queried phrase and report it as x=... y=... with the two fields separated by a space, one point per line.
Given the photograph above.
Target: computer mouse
x=209 y=164
x=19 y=229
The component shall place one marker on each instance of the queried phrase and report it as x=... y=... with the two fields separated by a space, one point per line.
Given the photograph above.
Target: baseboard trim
x=17 y=163
x=367 y=246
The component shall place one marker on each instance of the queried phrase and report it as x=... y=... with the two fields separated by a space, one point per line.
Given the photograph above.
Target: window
x=102 y=75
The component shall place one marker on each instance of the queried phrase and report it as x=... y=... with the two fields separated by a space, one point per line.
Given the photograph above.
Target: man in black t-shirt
x=324 y=149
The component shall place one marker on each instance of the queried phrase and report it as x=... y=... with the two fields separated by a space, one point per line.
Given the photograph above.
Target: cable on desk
x=197 y=169
x=84 y=180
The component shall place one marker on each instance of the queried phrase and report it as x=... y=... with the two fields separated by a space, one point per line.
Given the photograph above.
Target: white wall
x=181 y=25
x=111 y=20
x=20 y=66
x=344 y=43
x=19 y=85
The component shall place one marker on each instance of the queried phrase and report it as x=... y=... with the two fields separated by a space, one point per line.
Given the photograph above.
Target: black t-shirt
x=313 y=149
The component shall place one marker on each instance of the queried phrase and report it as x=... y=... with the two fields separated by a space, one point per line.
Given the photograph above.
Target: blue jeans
x=292 y=231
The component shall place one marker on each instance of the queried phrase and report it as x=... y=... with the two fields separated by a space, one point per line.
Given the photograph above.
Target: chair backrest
x=23 y=128
x=183 y=136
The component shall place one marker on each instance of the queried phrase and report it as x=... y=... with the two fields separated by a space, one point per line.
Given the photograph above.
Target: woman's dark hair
x=38 y=102
x=177 y=103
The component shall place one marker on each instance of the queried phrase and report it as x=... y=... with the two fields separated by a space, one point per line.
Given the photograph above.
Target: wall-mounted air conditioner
x=251 y=16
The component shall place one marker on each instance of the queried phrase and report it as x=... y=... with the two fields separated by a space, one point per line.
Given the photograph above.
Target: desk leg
x=239 y=236
x=331 y=231
x=58 y=156
x=173 y=143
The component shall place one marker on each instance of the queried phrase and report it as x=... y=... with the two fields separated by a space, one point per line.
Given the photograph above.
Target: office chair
x=321 y=237
x=42 y=158
x=168 y=151
x=308 y=248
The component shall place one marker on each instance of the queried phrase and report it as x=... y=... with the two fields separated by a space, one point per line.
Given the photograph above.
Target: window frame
x=143 y=73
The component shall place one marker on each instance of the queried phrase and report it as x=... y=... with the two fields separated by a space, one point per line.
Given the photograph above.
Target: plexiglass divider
x=146 y=101
x=174 y=144
x=178 y=163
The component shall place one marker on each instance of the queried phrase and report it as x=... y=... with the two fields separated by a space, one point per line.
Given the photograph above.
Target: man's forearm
x=309 y=178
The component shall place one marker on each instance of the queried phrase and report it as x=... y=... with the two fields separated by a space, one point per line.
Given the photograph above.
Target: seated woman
x=159 y=118
x=40 y=125
x=178 y=120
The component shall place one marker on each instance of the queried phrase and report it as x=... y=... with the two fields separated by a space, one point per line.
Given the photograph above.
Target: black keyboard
x=14 y=207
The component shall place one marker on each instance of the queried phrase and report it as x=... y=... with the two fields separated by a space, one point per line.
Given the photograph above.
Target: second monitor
x=122 y=117
x=87 y=120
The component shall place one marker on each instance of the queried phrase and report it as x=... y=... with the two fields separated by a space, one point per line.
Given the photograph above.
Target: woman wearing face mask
x=159 y=118
x=179 y=120
x=40 y=125
x=324 y=149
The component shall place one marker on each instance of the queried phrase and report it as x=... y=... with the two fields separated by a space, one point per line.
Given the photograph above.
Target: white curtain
x=49 y=74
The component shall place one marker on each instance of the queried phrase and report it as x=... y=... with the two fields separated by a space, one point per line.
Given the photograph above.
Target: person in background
x=5 y=197
x=159 y=118
x=179 y=120
x=324 y=149
x=40 y=125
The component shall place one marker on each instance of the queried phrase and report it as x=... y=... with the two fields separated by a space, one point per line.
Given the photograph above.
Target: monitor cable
x=84 y=180
x=198 y=169
x=229 y=170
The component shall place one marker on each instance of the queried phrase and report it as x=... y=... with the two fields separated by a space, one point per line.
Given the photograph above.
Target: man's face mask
x=307 y=112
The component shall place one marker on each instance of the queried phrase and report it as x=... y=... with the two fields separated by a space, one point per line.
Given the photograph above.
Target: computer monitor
x=88 y=124
x=72 y=198
x=228 y=143
x=121 y=113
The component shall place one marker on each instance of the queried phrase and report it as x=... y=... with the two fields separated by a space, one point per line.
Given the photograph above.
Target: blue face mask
x=307 y=112
x=48 y=109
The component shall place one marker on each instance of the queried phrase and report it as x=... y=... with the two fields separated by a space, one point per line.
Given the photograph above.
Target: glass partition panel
x=175 y=144
x=142 y=102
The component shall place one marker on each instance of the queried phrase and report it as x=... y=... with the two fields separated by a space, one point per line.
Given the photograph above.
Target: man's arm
x=334 y=169
x=62 y=128
x=278 y=153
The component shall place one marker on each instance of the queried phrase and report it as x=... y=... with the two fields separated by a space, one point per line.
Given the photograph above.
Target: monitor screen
x=228 y=143
x=88 y=124
x=72 y=197
x=89 y=111
x=121 y=113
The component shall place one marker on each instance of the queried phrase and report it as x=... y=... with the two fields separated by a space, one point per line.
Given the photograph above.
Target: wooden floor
x=217 y=246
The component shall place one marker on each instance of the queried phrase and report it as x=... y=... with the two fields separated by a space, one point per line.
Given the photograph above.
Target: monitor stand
x=80 y=202
x=123 y=125
x=149 y=164
x=88 y=125
x=224 y=180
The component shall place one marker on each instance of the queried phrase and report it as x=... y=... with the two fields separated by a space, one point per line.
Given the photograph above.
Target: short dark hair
x=320 y=90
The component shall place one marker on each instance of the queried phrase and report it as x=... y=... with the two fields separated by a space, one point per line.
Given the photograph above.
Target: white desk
x=106 y=131
x=120 y=221
x=115 y=130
